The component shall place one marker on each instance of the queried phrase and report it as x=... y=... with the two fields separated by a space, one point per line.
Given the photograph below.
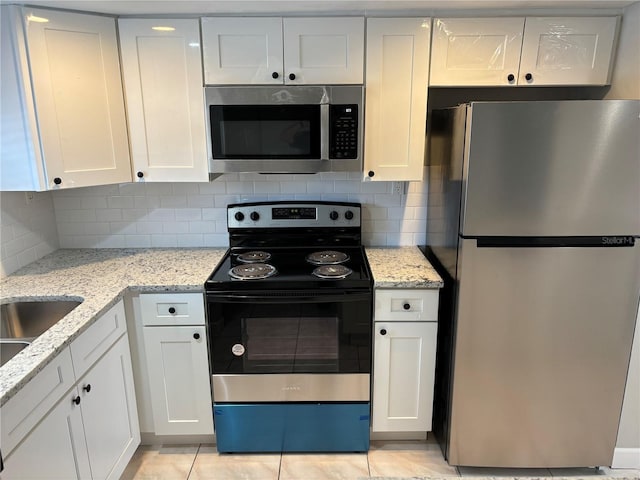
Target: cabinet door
x=324 y=50
x=403 y=376
x=54 y=450
x=396 y=97
x=476 y=51
x=179 y=380
x=79 y=104
x=109 y=412
x=567 y=51
x=162 y=71
x=242 y=50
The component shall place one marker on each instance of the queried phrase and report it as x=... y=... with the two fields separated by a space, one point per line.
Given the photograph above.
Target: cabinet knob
x=140 y=174
x=292 y=76
x=86 y=388
x=275 y=75
x=511 y=77
x=528 y=77
x=371 y=173
x=196 y=336
x=383 y=332
x=57 y=180
x=76 y=400
x=172 y=310
x=406 y=306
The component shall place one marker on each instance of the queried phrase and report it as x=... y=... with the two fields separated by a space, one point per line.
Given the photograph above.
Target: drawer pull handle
x=86 y=388
x=196 y=336
x=172 y=310
x=406 y=306
x=76 y=400
x=383 y=332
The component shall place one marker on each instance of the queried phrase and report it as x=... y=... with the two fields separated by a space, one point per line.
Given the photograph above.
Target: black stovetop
x=293 y=271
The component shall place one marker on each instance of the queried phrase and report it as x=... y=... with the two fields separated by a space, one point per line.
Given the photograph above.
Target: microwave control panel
x=343 y=131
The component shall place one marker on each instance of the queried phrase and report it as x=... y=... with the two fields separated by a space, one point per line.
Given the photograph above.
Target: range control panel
x=296 y=215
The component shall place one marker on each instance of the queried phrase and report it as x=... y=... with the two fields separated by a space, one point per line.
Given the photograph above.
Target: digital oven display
x=286 y=213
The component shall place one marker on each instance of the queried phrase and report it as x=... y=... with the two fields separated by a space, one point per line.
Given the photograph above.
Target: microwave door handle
x=324 y=132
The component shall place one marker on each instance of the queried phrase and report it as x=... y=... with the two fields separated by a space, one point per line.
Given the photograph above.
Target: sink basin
x=8 y=349
x=27 y=320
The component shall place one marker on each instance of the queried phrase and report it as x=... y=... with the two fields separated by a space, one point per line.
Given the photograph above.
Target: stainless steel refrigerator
x=533 y=220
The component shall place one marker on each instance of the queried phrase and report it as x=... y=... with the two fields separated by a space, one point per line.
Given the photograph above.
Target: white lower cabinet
x=179 y=380
x=92 y=432
x=404 y=360
x=59 y=442
x=177 y=363
x=109 y=413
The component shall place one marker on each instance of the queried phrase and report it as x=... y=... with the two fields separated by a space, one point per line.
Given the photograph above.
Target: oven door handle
x=283 y=297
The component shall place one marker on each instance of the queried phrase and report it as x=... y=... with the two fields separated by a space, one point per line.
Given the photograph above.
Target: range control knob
x=239 y=216
x=333 y=215
x=255 y=216
x=348 y=215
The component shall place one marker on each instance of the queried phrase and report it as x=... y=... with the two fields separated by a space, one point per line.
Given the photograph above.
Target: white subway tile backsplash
x=190 y=240
x=109 y=214
x=194 y=214
x=149 y=227
x=188 y=214
x=164 y=241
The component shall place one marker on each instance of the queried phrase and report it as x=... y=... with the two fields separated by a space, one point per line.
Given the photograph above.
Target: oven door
x=289 y=332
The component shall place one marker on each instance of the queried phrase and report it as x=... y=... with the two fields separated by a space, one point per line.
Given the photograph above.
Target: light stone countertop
x=101 y=277
x=402 y=267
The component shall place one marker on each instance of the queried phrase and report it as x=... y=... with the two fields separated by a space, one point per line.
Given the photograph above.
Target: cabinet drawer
x=172 y=309
x=98 y=338
x=22 y=412
x=406 y=305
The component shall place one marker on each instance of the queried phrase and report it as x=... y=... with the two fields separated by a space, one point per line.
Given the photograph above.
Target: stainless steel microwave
x=288 y=129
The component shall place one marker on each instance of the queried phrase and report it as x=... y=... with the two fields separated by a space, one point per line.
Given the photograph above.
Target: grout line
x=194 y=461
x=280 y=466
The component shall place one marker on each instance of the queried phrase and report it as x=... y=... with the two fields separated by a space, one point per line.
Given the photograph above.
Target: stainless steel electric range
x=289 y=313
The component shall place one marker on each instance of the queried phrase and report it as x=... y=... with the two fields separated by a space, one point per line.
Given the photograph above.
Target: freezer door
x=542 y=348
x=565 y=168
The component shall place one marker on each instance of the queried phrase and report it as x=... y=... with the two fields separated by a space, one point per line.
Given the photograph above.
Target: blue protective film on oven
x=292 y=427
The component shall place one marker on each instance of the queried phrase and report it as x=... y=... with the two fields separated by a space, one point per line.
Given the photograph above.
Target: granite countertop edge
x=102 y=277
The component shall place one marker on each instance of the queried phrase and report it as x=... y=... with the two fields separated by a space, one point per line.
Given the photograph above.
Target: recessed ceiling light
x=163 y=29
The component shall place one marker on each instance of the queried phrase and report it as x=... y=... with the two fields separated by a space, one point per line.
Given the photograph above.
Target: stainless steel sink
x=10 y=348
x=22 y=322
x=27 y=320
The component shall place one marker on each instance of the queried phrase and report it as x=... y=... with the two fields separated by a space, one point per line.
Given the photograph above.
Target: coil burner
x=252 y=271
x=332 y=271
x=327 y=257
x=255 y=256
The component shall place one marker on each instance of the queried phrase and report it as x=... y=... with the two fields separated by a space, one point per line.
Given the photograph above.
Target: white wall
x=27 y=230
x=625 y=83
x=194 y=214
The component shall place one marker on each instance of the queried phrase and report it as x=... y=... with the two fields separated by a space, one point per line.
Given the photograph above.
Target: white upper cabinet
x=396 y=98
x=536 y=51
x=476 y=51
x=162 y=73
x=568 y=51
x=239 y=50
x=324 y=50
x=71 y=122
x=274 y=50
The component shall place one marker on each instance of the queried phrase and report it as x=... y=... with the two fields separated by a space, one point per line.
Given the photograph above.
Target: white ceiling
x=194 y=7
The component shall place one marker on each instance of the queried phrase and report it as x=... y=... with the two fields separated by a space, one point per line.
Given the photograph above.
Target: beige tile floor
x=386 y=460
